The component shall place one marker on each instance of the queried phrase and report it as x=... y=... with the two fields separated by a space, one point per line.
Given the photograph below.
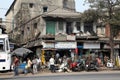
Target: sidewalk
x=46 y=73
x=109 y=69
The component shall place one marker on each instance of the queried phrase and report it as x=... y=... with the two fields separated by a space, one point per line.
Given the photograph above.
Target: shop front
x=116 y=54
x=80 y=49
x=66 y=48
x=91 y=49
x=47 y=51
x=62 y=48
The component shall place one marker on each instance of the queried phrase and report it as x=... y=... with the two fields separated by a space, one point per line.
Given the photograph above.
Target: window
x=69 y=28
x=28 y=31
x=22 y=32
x=88 y=26
x=60 y=26
x=78 y=26
x=2 y=45
x=7 y=45
x=28 y=28
x=65 y=3
x=50 y=27
x=45 y=8
x=31 y=5
x=35 y=25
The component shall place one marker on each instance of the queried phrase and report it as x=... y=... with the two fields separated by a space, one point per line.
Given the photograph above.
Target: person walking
x=38 y=63
x=57 y=58
x=29 y=66
x=34 y=61
x=52 y=64
x=15 y=65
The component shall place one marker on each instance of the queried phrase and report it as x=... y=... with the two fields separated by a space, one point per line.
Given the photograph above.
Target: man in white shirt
x=52 y=64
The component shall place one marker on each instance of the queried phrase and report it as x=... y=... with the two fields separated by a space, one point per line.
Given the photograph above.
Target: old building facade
x=53 y=26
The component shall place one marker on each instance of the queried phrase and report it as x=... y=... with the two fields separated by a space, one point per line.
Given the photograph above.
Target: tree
x=90 y=15
x=109 y=12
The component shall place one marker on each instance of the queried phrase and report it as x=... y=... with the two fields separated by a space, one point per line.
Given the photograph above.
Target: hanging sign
x=66 y=45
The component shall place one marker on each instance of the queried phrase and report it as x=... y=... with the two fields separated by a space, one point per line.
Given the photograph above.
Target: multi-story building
x=53 y=26
x=2 y=27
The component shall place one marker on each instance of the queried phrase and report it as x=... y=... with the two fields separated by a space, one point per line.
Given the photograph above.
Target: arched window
x=65 y=3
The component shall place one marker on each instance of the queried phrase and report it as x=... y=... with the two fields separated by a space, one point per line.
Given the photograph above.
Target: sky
x=5 y=4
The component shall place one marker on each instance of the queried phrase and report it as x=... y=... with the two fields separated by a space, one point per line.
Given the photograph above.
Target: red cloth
x=76 y=50
x=16 y=62
x=74 y=64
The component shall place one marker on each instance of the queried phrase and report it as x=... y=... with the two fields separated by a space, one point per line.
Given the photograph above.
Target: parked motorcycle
x=77 y=66
x=91 y=66
x=63 y=68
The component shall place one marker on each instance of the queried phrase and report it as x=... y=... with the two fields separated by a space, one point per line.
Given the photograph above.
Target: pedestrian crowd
x=28 y=66
x=55 y=64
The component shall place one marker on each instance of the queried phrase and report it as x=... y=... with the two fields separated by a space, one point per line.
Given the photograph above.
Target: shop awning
x=33 y=44
x=48 y=49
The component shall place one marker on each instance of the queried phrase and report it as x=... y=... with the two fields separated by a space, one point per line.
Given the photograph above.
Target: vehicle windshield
x=2 y=42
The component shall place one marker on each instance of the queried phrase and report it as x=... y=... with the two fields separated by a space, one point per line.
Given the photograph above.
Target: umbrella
x=21 y=52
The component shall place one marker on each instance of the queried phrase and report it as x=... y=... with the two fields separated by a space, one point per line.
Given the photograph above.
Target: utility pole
x=110 y=11
x=111 y=44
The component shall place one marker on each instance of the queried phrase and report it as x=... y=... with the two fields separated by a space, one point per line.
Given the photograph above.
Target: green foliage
x=90 y=15
x=107 y=11
x=105 y=6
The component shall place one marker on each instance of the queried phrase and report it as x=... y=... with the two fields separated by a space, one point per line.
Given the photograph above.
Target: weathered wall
x=9 y=21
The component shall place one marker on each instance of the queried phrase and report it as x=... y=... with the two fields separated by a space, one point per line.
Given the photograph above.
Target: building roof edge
x=10 y=7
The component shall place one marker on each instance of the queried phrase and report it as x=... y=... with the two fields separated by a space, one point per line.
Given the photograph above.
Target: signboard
x=48 y=45
x=71 y=37
x=60 y=37
x=65 y=45
x=107 y=46
x=91 y=45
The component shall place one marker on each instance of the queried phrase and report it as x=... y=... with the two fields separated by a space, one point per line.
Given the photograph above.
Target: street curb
x=10 y=74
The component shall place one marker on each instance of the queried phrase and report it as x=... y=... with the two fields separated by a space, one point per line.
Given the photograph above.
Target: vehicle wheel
x=96 y=69
x=87 y=69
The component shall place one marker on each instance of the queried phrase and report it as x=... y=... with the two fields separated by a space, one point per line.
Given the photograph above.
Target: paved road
x=110 y=75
